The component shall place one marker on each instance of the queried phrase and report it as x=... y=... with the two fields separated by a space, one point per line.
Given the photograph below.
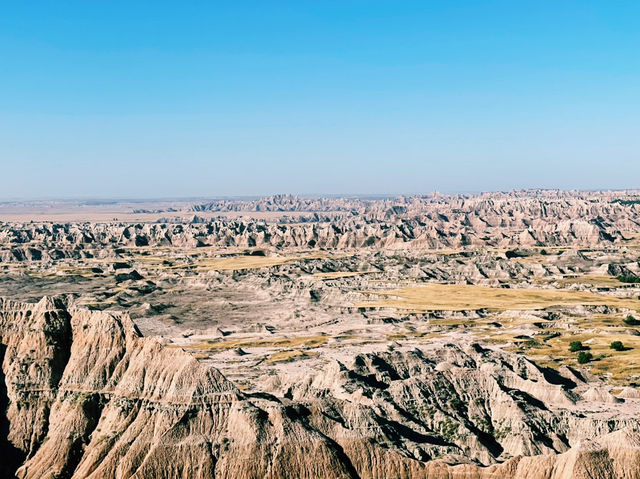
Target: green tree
x=584 y=357
x=617 y=345
x=575 y=346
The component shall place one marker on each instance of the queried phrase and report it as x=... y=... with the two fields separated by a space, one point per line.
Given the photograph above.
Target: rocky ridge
x=88 y=397
x=417 y=223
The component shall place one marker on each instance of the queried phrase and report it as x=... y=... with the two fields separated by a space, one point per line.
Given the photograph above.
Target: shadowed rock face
x=88 y=397
x=11 y=455
x=113 y=404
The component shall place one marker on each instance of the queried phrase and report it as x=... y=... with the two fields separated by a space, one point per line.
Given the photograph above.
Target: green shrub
x=584 y=357
x=630 y=321
x=617 y=345
x=628 y=278
x=575 y=346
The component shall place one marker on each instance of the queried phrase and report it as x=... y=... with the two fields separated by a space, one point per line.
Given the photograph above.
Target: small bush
x=630 y=321
x=584 y=357
x=617 y=345
x=575 y=346
x=628 y=278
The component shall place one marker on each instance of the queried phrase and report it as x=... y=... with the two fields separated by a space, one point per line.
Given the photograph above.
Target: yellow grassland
x=454 y=297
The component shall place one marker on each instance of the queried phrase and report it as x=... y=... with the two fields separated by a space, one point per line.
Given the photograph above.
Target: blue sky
x=156 y=99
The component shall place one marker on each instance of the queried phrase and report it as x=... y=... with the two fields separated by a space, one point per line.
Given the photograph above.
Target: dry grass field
x=546 y=342
x=620 y=367
x=454 y=297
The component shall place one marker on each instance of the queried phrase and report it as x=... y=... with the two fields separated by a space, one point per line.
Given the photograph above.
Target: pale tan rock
x=88 y=397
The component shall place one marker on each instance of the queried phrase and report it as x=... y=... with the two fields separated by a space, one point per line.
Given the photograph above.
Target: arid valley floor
x=441 y=336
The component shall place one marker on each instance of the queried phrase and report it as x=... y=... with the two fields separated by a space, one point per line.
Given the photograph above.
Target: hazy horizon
x=150 y=100
x=364 y=196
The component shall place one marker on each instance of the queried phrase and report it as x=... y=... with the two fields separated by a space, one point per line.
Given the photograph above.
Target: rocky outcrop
x=515 y=220
x=479 y=405
x=88 y=397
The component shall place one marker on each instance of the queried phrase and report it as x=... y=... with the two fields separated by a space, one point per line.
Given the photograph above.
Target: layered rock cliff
x=496 y=220
x=87 y=397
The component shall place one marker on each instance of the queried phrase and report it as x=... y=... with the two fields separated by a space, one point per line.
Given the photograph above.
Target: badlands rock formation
x=89 y=398
x=416 y=222
x=284 y=337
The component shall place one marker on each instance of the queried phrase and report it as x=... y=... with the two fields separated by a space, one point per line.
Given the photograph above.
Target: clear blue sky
x=155 y=99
